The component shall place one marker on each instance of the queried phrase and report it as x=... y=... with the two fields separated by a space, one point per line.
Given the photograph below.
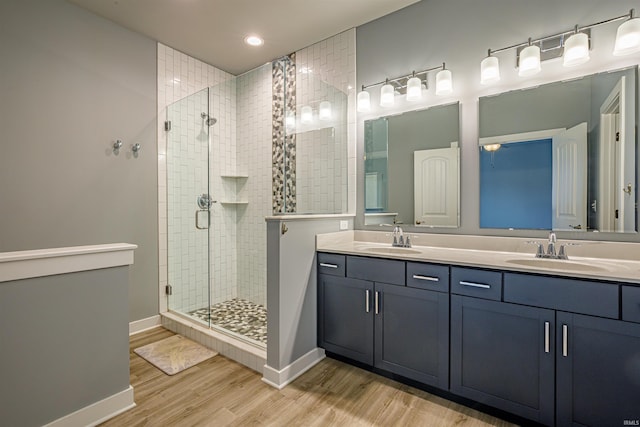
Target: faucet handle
x=552 y=237
x=407 y=241
x=539 y=250
x=562 y=253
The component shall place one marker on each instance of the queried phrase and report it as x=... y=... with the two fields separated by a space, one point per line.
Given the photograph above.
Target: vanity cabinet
x=345 y=318
x=597 y=371
x=551 y=344
x=597 y=355
x=394 y=327
x=501 y=354
x=412 y=333
x=555 y=350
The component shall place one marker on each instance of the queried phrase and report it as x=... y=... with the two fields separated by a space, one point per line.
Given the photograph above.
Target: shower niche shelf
x=232 y=176
x=233 y=203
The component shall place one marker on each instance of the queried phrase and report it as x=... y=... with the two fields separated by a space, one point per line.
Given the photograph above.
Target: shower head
x=210 y=121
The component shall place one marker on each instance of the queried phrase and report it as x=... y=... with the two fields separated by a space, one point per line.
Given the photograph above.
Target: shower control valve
x=117 y=146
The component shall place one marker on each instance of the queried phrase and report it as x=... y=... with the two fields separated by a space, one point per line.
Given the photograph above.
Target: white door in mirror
x=436 y=187
x=569 y=179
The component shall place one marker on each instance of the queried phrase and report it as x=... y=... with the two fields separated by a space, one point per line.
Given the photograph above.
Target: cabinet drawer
x=573 y=295
x=631 y=303
x=476 y=283
x=376 y=270
x=333 y=264
x=428 y=276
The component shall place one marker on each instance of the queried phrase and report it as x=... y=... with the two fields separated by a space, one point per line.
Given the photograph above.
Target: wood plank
x=222 y=392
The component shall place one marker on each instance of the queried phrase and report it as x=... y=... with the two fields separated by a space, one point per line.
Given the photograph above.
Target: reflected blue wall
x=510 y=198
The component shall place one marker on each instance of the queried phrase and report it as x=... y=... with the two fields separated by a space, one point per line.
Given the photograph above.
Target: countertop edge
x=499 y=263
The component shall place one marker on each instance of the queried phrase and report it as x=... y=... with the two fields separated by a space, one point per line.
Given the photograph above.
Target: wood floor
x=220 y=392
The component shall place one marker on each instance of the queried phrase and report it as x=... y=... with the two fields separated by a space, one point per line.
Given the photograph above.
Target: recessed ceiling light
x=253 y=41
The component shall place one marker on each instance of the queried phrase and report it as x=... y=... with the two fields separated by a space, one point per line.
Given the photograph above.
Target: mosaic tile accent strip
x=284 y=143
x=237 y=315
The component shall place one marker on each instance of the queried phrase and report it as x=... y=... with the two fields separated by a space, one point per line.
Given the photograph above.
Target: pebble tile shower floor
x=239 y=316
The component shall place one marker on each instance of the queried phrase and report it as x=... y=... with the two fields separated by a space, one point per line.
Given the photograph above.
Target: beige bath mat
x=174 y=354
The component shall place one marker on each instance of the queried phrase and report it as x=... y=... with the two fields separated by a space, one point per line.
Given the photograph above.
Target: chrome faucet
x=551 y=249
x=399 y=239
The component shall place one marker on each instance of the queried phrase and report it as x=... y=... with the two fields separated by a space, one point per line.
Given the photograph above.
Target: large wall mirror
x=411 y=168
x=561 y=156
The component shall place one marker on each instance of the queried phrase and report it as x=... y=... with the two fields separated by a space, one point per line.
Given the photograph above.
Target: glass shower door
x=188 y=206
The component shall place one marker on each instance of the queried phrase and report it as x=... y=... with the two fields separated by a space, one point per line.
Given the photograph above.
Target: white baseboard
x=142 y=325
x=98 y=412
x=282 y=378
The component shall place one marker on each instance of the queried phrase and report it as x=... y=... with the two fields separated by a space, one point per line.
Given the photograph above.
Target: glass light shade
x=306 y=115
x=414 y=89
x=529 y=61
x=489 y=70
x=628 y=38
x=387 y=96
x=491 y=147
x=324 y=111
x=364 y=102
x=290 y=122
x=576 y=50
x=444 y=82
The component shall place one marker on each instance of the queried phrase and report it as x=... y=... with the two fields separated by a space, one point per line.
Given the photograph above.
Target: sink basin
x=556 y=264
x=391 y=250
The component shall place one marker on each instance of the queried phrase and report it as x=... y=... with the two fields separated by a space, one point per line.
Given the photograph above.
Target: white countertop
x=482 y=251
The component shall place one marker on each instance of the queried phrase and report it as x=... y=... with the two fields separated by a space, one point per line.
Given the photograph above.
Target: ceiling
x=214 y=30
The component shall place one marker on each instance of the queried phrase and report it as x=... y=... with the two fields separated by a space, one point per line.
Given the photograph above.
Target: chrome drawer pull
x=428 y=278
x=546 y=337
x=366 y=300
x=475 y=285
x=377 y=303
x=565 y=340
x=323 y=264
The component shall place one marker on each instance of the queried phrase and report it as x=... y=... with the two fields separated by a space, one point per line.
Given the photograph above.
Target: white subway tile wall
x=326 y=71
x=223 y=251
x=180 y=76
x=254 y=115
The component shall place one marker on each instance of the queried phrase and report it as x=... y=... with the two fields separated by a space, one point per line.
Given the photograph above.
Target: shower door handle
x=198 y=215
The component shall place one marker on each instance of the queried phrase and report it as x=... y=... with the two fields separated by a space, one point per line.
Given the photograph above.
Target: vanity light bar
x=570 y=43
x=410 y=84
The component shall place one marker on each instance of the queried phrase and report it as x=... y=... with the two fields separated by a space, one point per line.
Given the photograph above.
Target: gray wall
x=459 y=33
x=72 y=83
x=292 y=296
x=547 y=107
x=64 y=342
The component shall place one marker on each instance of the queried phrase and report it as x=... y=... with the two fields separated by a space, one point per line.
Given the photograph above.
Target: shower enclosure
x=236 y=153
x=203 y=210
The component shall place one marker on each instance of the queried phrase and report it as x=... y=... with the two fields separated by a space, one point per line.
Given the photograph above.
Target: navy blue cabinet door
x=345 y=317
x=598 y=371
x=502 y=355
x=412 y=333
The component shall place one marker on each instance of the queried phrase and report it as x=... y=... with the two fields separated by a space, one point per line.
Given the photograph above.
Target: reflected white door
x=569 y=192
x=436 y=187
x=616 y=168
